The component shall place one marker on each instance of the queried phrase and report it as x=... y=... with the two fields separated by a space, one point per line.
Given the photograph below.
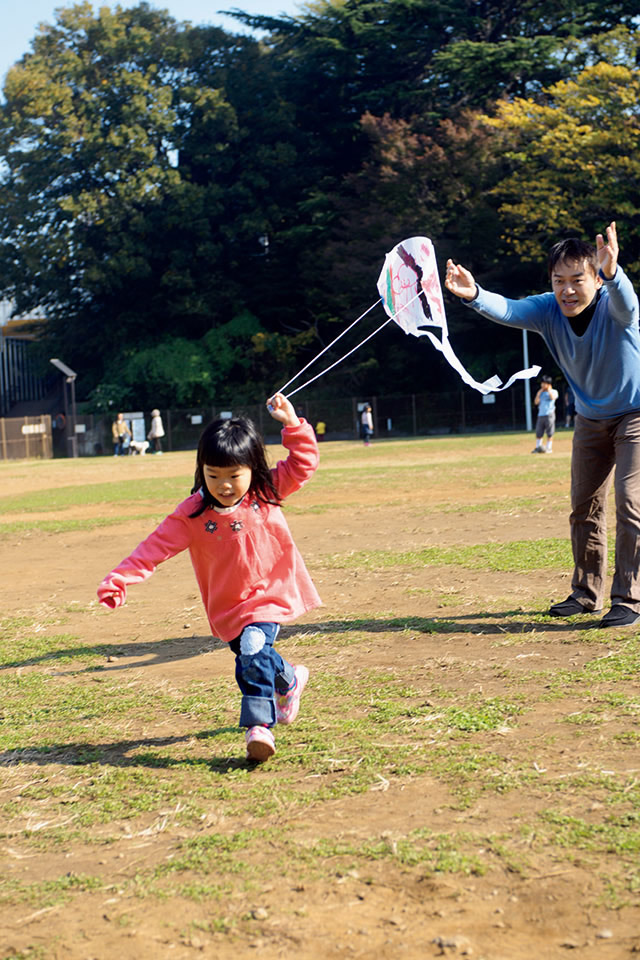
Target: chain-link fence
x=404 y=415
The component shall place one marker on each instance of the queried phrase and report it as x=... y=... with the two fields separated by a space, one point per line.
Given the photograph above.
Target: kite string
x=362 y=342
x=326 y=370
x=317 y=357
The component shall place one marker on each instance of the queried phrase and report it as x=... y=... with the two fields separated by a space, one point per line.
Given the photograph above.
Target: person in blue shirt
x=589 y=322
x=545 y=401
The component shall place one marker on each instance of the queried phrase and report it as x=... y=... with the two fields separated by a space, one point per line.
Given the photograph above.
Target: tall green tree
x=100 y=223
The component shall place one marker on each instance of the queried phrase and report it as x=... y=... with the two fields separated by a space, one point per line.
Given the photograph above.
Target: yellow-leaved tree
x=575 y=162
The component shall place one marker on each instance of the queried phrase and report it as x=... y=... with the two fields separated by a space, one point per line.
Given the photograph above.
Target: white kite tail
x=493 y=384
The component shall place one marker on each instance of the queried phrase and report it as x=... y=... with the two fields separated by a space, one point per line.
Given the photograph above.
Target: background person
x=156 y=432
x=366 y=425
x=121 y=435
x=590 y=324
x=545 y=400
x=569 y=407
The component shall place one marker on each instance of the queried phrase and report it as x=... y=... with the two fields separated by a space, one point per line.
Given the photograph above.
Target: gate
x=24 y=438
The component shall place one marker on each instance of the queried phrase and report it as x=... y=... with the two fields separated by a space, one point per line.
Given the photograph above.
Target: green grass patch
x=437 y=853
x=520 y=556
x=156 y=490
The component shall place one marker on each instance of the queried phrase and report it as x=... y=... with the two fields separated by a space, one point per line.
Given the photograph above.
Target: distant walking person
x=545 y=400
x=569 y=407
x=366 y=425
x=121 y=435
x=156 y=432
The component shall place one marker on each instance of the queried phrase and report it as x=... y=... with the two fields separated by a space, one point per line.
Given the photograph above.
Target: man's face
x=574 y=286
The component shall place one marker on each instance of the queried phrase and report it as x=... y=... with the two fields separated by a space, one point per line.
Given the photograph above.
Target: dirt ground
x=555 y=908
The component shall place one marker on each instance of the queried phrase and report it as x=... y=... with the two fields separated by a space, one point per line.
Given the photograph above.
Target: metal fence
x=25 y=438
x=404 y=415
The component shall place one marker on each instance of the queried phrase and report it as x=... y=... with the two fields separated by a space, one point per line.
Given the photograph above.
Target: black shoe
x=570 y=607
x=619 y=616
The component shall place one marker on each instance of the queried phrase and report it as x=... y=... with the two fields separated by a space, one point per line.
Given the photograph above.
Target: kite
x=411 y=295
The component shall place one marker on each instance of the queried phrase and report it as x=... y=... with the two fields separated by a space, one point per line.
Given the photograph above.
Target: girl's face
x=227 y=485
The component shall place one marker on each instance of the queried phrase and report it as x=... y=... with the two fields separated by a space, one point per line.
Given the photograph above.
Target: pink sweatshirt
x=247 y=566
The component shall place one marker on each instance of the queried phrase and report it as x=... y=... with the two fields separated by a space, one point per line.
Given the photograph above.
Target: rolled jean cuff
x=257 y=711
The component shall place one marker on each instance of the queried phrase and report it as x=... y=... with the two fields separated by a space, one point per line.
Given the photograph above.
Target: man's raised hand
x=460 y=282
x=608 y=252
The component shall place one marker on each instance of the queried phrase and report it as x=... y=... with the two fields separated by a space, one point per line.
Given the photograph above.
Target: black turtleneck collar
x=581 y=321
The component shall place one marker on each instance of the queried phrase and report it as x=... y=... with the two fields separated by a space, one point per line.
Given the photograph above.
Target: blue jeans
x=260 y=673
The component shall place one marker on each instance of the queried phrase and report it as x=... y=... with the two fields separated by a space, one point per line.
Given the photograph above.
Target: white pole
x=527 y=392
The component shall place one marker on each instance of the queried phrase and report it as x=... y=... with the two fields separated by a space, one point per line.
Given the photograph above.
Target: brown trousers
x=599 y=446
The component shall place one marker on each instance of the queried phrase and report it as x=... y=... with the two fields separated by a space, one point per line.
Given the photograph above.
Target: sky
x=20 y=18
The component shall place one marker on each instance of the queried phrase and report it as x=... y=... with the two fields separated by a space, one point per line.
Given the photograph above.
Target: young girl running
x=249 y=571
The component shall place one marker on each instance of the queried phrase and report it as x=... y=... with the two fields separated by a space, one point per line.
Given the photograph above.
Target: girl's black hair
x=231 y=443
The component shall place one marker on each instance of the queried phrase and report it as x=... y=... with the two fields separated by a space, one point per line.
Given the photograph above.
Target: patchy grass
x=519 y=735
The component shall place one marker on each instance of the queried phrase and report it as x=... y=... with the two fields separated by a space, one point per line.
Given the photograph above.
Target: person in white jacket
x=156 y=432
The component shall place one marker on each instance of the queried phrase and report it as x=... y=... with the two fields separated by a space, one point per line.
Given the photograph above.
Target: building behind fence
x=19 y=380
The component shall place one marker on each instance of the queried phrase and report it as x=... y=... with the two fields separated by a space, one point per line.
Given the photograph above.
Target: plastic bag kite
x=411 y=294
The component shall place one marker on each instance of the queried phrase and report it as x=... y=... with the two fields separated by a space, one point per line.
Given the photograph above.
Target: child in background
x=545 y=401
x=366 y=425
x=249 y=571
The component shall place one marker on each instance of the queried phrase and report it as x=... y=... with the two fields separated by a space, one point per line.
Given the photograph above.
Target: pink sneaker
x=260 y=743
x=288 y=704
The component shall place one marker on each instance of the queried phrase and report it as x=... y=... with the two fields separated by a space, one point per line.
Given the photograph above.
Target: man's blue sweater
x=602 y=366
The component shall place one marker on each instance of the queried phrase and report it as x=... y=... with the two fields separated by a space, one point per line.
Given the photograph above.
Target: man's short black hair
x=573 y=250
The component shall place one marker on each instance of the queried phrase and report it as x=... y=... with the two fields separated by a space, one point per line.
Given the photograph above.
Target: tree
x=100 y=226
x=407 y=56
x=574 y=162
x=161 y=181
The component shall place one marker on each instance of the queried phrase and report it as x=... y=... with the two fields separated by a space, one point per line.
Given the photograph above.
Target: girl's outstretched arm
x=171 y=537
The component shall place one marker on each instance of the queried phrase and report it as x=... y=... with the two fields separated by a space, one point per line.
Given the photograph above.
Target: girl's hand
x=281 y=409
x=460 y=282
